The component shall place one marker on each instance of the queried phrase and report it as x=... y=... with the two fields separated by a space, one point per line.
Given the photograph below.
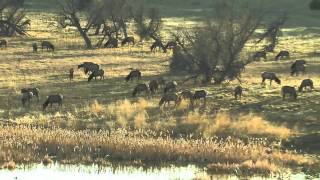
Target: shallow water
x=84 y=172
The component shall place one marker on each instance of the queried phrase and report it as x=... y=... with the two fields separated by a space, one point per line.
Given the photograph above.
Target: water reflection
x=95 y=172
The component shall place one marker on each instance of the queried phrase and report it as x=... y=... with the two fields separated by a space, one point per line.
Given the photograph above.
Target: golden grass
x=28 y=144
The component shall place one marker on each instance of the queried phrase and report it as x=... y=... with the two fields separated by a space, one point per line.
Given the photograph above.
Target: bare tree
x=214 y=49
x=69 y=15
x=272 y=33
x=12 y=18
x=148 y=25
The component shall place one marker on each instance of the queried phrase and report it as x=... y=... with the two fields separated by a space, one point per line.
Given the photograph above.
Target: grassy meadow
x=101 y=121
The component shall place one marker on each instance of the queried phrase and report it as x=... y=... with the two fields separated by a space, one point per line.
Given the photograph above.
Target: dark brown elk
x=187 y=94
x=95 y=74
x=167 y=98
x=260 y=54
x=135 y=73
x=306 y=83
x=34 y=47
x=3 y=42
x=238 y=92
x=171 y=87
x=35 y=92
x=288 y=90
x=282 y=54
x=48 y=45
x=127 y=40
x=157 y=44
x=200 y=94
x=111 y=43
x=154 y=86
x=270 y=76
x=89 y=67
x=71 y=74
x=139 y=89
x=298 y=67
x=26 y=98
x=53 y=99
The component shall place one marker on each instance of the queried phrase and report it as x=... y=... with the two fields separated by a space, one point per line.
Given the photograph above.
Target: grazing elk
x=95 y=74
x=3 y=42
x=306 y=83
x=135 y=73
x=53 y=99
x=26 y=98
x=260 y=54
x=187 y=94
x=157 y=44
x=238 y=92
x=171 y=87
x=127 y=40
x=282 y=54
x=35 y=92
x=167 y=98
x=154 y=86
x=298 y=67
x=271 y=76
x=289 y=90
x=71 y=74
x=48 y=45
x=111 y=43
x=200 y=94
x=89 y=67
x=139 y=89
x=35 y=47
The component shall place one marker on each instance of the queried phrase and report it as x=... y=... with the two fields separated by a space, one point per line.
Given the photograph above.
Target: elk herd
x=170 y=89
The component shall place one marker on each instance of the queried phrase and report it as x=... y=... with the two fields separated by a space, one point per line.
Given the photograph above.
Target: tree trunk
x=81 y=31
x=124 y=28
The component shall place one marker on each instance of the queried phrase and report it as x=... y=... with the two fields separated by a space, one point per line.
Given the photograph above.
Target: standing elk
x=88 y=67
x=238 y=92
x=35 y=92
x=171 y=87
x=3 y=42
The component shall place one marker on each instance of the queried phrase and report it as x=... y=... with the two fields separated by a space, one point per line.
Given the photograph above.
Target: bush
x=181 y=63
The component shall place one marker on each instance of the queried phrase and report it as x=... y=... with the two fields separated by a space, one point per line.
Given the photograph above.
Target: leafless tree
x=272 y=33
x=13 y=18
x=148 y=24
x=214 y=49
x=69 y=15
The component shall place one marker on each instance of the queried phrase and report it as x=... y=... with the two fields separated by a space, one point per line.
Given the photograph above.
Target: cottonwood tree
x=13 y=18
x=213 y=50
x=75 y=13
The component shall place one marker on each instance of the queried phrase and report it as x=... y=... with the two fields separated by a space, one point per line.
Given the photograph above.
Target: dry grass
x=108 y=105
x=25 y=144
